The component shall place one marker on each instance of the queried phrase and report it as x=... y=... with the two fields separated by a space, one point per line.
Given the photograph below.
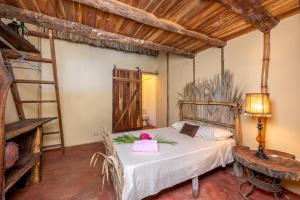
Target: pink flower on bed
x=145 y=136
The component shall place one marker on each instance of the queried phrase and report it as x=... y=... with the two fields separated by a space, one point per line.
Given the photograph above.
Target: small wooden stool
x=265 y=174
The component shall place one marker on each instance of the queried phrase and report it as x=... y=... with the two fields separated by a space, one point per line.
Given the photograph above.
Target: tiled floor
x=69 y=177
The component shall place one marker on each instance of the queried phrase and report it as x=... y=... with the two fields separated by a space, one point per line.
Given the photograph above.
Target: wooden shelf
x=34 y=57
x=23 y=165
x=20 y=127
x=15 y=40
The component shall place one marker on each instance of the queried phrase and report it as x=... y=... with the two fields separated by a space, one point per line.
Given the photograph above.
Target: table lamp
x=258 y=105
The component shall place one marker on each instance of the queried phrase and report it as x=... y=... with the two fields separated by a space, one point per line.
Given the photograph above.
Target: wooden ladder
x=19 y=103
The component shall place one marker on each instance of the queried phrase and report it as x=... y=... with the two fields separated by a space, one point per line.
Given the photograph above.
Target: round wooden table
x=265 y=174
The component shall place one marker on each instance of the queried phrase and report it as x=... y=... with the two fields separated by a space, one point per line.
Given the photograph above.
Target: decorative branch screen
x=213 y=101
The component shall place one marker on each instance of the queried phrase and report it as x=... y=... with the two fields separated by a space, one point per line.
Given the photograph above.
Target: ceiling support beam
x=83 y=30
x=141 y=16
x=252 y=12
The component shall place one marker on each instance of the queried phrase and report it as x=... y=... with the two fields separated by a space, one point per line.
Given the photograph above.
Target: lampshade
x=258 y=105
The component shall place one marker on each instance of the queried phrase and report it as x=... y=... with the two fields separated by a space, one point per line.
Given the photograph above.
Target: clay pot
x=11 y=154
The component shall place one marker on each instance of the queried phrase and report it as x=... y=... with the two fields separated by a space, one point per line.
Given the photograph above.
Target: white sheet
x=146 y=174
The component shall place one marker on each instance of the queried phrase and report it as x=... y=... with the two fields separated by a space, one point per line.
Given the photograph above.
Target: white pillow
x=178 y=125
x=213 y=133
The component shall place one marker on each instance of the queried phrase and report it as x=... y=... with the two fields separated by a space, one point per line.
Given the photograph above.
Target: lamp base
x=261 y=154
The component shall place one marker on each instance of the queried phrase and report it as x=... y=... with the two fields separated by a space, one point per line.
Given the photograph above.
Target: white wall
x=243 y=57
x=85 y=82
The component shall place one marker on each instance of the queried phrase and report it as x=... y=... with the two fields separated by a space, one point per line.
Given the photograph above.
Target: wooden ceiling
x=201 y=23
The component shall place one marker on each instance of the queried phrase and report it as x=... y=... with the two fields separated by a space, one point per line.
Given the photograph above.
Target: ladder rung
x=51 y=147
x=51 y=133
x=33 y=81
x=38 y=101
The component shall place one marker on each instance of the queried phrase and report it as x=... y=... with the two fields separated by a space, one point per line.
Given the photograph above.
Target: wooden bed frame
x=236 y=127
x=235 y=109
x=115 y=170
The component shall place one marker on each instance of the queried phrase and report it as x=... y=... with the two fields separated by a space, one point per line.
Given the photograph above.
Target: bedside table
x=265 y=174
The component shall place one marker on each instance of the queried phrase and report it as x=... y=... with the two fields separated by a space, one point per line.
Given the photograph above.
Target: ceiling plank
x=144 y=17
x=252 y=12
x=39 y=19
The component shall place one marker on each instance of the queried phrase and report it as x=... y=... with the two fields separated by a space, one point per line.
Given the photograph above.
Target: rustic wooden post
x=168 y=89
x=222 y=64
x=195 y=187
x=36 y=148
x=141 y=103
x=5 y=81
x=193 y=107
x=264 y=81
x=180 y=111
x=238 y=135
x=266 y=61
x=194 y=71
x=238 y=170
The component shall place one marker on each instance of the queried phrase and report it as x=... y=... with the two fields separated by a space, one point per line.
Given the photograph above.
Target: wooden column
x=194 y=71
x=194 y=108
x=35 y=175
x=168 y=89
x=238 y=170
x=222 y=63
x=5 y=81
x=266 y=61
x=264 y=81
x=195 y=186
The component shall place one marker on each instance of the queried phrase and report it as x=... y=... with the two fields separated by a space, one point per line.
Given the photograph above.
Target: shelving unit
x=27 y=133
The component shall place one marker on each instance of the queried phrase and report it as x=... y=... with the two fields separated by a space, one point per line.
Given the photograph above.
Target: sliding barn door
x=127 y=100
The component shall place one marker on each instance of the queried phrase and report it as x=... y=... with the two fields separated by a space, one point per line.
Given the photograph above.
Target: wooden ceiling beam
x=141 y=16
x=252 y=12
x=49 y=22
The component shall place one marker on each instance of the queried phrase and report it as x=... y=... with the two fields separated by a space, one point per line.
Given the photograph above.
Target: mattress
x=146 y=174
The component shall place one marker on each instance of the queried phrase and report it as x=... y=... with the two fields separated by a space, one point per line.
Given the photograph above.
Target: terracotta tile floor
x=69 y=177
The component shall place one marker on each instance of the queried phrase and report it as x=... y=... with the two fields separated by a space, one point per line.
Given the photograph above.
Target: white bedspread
x=148 y=173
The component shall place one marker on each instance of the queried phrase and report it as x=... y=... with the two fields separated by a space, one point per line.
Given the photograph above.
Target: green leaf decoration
x=163 y=140
x=128 y=139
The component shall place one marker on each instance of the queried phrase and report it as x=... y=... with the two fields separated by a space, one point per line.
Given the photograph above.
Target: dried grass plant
x=111 y=168
x=215 y=89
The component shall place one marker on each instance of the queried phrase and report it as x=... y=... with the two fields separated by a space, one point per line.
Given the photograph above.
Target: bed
x=148 y=173
x=145 y=174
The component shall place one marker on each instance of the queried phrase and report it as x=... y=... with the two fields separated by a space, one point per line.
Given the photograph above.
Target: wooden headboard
x=194 y=115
